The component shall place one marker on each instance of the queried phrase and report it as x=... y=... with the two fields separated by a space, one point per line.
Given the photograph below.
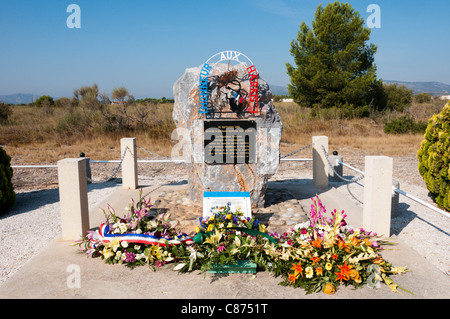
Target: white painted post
x=129 y=163
x=378 y=194
x=320 y=164
x=73 y=198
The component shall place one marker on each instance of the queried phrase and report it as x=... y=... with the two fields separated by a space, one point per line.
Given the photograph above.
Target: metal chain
x=295 y=152
x=337 y=174
x=150 y=152
x=90 y=180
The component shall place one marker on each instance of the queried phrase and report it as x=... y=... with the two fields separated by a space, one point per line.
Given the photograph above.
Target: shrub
x=434 y=157
x=5 y=112
x=44 y=101
x=398 y=97
x=403 y=125
x=422 y=98
x=7 y=195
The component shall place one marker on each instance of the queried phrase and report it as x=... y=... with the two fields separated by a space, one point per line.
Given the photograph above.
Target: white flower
x=138 y=231
x=140 y=256
x=137 y=247
x=123 y=228
x=124 y=244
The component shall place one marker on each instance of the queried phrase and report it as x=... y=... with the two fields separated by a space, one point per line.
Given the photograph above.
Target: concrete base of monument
x=51 y=273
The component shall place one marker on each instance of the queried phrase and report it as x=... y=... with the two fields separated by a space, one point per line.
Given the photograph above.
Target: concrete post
x=320 y=164
x=129 y=163
x=334 y=160
x=73 y=197
x=378 y=194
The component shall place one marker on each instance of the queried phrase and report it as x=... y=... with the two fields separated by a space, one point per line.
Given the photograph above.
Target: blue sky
x=146 y=45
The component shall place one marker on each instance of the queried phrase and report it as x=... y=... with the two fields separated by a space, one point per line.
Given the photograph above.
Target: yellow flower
x=197 y=229
x=210 y=228
x=229 y=216
x=328 y=266
x=309 y=272
x=114 y=244
x=214 y=238
x=329 y=289
x=107 y=253
x=398 y=270
x=262 y=228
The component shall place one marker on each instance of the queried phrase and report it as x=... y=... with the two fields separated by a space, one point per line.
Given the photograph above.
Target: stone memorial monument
x=227 y=126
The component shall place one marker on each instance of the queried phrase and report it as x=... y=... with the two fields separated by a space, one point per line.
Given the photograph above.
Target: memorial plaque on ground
x=230 y=142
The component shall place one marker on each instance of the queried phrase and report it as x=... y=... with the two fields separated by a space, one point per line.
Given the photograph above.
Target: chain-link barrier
x=90 y=180
x=337 y=174
x=150 y=152
x=297 y=151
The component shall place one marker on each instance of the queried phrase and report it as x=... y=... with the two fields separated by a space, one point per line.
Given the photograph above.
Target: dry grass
x=32 y=136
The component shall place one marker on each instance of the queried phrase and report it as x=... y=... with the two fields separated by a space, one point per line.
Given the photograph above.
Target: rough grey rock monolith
x=249 y=177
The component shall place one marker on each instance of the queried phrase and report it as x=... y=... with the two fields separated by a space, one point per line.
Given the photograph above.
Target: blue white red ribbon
x=145 y=239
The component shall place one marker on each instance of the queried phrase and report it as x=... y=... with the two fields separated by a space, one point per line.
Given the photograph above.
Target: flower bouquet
x=140 y=237
x=324 y=252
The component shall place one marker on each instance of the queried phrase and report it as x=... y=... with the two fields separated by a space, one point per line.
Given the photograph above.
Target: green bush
x=403 y=125
x=434 y=157
x=5 y=112
x=7 y=195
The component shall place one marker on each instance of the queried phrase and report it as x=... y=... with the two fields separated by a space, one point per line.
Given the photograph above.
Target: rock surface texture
x=232 y=177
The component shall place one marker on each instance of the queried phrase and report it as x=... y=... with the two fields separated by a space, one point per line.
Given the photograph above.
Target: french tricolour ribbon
x=144 y=239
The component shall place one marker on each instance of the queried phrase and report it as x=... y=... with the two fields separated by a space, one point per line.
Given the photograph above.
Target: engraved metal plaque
x=229 y=142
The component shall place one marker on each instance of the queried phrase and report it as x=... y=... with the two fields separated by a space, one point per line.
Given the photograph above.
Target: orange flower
x=315 y=259
x=340 y=276
x=298 y=270
x=344 y=273
x=378 y=261
x=319 y=271
x=292 y=278
x=354 y=275
x=334 y=256
x=355 y=241
x=343 y=245
x=329 y=289
x=317 y=243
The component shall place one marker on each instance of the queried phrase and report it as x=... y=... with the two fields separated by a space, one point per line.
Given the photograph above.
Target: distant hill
x=19 y=98
x=433 y=88
x=278 y=90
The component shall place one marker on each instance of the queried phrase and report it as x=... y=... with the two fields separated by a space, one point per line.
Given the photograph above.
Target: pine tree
x=334 y=64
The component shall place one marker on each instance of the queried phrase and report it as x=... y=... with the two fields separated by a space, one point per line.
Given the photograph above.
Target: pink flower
x=221 y=248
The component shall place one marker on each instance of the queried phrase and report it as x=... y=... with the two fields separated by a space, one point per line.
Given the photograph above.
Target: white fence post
x=73 y=197
x=129 y=163
x=320 y=164
x=378 y=194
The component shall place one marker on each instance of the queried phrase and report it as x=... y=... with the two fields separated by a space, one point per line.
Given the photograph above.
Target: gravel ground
x=34 y=220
